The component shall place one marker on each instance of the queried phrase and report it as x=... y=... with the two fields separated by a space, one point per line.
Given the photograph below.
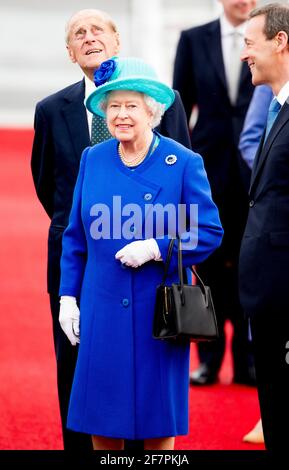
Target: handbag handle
x=180 y=271
x=168 y=260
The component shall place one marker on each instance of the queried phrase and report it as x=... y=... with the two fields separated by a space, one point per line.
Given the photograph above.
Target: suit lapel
x=213 y=44
x=76 y=119
x=214 y=47
x=263 y=150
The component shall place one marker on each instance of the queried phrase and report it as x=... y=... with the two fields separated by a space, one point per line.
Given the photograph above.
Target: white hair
x=157 y=109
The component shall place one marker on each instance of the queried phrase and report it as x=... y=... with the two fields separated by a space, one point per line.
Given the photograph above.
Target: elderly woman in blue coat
x=134 y=193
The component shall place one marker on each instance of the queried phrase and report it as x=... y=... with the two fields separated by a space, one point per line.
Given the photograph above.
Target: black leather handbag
x=182 y=311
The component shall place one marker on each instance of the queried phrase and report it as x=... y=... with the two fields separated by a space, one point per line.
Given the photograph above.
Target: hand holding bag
x=182 y=311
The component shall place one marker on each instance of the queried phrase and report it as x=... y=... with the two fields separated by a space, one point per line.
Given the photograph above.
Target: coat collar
x=264 y=148
x=74 y=113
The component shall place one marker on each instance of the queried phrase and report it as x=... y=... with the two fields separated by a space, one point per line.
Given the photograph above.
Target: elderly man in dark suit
x=209 y=75
x=63 y=128
x=264 y=256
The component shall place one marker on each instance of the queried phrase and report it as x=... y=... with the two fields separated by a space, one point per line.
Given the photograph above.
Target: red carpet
x=29 y=415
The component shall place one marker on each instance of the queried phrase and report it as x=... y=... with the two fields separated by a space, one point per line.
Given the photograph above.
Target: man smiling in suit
x=63 y=128
x=209 y=75
x=264 y=256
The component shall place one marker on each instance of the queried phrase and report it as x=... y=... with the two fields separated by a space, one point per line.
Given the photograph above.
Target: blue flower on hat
x=104 y=72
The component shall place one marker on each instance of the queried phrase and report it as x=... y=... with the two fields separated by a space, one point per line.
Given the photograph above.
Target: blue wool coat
x=127 y=384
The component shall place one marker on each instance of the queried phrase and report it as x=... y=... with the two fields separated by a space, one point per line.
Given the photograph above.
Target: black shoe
x=203 y=376
x=245 y=380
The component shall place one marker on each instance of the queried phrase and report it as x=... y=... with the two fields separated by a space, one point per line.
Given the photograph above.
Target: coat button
x=148 y=196
x=125 y=302
x=251 y=203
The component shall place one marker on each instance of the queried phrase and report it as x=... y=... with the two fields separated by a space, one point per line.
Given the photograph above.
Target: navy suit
x=264 y=278
x=61 y=134
x=199 y=76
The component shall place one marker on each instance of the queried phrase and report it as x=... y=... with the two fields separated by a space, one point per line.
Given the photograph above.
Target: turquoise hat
x=127 y=73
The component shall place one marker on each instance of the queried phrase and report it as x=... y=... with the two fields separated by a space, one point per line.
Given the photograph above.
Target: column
x=146 y=30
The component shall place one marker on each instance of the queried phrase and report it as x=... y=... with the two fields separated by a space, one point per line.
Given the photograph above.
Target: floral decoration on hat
x=105 y=72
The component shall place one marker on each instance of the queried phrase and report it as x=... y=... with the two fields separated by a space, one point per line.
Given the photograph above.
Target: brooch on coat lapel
x=171 y=159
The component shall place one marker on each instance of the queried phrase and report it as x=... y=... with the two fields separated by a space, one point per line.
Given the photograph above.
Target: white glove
x=137 y=253
x=69 y=318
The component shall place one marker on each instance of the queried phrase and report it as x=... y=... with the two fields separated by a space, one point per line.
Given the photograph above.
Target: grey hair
x=156 y=108
x=105 y=17
x=276 y=18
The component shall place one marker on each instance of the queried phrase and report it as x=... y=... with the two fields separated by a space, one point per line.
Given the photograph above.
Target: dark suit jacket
x=199 y=76
x=264 y=256
x=61 y=134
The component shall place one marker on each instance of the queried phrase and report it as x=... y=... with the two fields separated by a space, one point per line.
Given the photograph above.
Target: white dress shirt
x=283 y=94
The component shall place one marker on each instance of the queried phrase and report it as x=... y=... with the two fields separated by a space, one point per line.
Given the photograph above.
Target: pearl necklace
x=136 y=161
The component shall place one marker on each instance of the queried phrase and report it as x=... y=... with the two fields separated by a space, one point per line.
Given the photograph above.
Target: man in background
x=210 y=77
x=63 y=128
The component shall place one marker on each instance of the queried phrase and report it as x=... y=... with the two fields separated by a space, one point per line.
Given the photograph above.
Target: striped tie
x=99 y=130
